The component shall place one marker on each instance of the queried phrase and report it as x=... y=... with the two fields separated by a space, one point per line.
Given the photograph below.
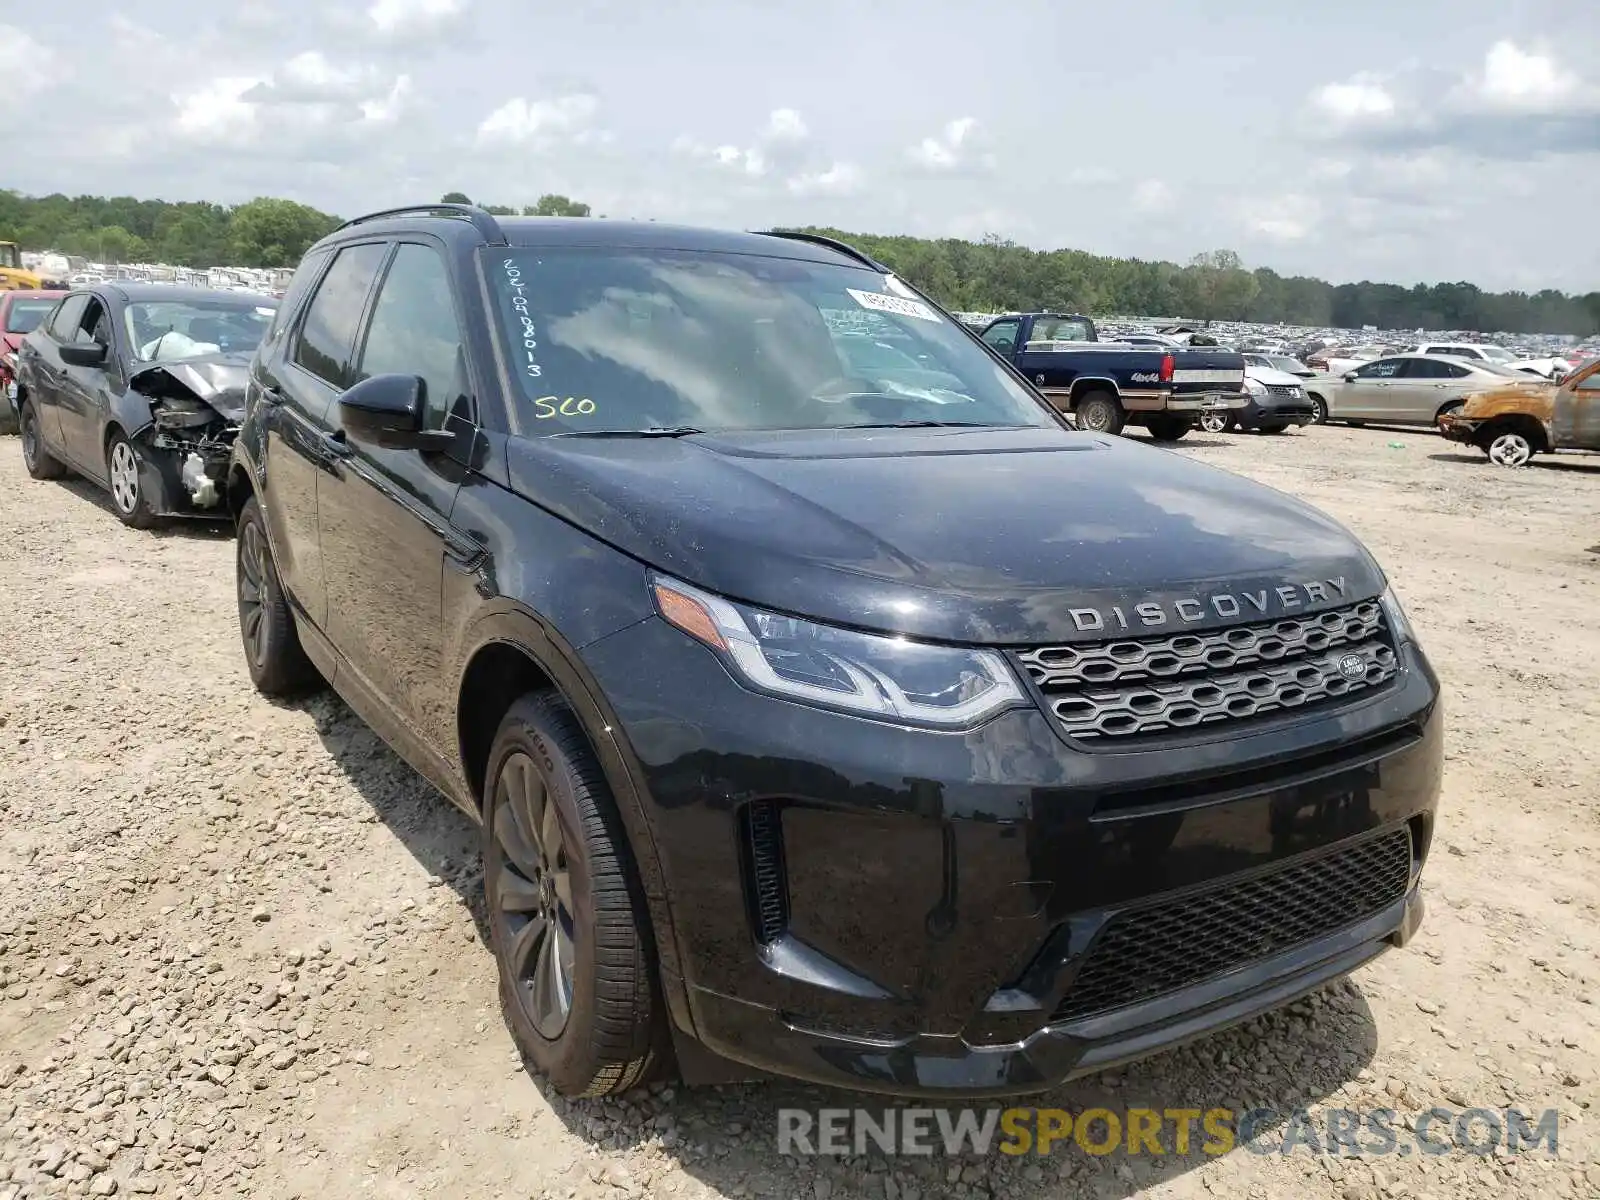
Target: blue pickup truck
x=1109 y=385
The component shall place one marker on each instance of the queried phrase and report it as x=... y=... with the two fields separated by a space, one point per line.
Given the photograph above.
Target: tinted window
x=23 y=316
x=65 y=323
x=414 y=330
x=614 y=340
x=1427 y=368
x=1383 y=368
x=310 y=266
x=328 y=333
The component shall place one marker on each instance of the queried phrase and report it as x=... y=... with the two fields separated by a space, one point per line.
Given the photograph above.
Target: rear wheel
x=1168 y=429
x=1099 y=412
x=577 y=981
x=40 y=462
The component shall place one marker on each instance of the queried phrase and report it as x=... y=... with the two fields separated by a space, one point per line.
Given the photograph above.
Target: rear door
x=307 y=364
x=1424 y=387
x=385 y=513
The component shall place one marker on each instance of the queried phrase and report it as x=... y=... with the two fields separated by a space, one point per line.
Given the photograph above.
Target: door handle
x=271 y=395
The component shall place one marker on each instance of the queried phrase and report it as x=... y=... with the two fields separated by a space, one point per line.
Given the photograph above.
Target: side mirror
x=388 y=411
x=84 y=354
x=1351 y=377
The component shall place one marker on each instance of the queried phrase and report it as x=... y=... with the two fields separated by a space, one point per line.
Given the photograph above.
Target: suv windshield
x=625 y=340
x=24 y=315
x=167 y=330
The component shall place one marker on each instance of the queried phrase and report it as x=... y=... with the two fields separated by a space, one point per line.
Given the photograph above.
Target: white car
x=1546 y=368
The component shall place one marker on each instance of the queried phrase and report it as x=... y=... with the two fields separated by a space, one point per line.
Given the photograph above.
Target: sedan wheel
x=1510 y=450
x=39 y=461
x=122 y=472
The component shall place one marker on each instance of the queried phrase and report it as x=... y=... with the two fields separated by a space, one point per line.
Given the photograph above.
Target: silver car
x=1403 y=389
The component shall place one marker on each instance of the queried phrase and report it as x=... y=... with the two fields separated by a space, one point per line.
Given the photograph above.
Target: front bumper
x=1456 y=428
x=872 y=906
x=1276 y=411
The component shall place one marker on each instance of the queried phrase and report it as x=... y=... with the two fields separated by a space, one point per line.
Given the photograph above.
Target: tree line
x=991 y=275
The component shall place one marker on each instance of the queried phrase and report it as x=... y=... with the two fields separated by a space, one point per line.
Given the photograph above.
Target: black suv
x=837 y=715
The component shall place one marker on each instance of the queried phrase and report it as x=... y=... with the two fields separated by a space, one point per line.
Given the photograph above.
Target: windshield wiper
x=925 y=425
x=653 y=431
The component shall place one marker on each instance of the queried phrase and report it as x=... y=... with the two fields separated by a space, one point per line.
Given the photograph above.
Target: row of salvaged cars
x=140 y=387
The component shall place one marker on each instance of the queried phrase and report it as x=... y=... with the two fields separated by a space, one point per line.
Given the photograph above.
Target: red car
x=20 y=312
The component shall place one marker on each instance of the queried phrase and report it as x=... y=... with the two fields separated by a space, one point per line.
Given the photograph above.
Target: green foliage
x=275 y=233
x=996 y=275
x=552 y=205
x=454 y=198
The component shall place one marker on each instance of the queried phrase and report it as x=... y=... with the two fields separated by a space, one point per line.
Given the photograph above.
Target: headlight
x=1255 y=387
x=1399 y=623
x=872 y=675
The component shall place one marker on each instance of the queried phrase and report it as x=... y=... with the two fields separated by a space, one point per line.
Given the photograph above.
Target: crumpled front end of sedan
x=195 y=409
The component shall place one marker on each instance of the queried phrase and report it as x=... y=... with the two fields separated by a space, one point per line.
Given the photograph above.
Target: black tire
x=1454 y=406
x=1100 y=412
x=40 y=462
x=1319 y=410
x=565 y=909
x=128 y=500
x=1168 y=429
x=273 y=655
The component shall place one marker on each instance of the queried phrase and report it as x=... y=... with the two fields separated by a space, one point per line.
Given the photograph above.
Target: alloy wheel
x=532 y=896
x=1319 y=411
x=1213 y=422
x=1510 y=450
x=124 y=477
x=252 y=590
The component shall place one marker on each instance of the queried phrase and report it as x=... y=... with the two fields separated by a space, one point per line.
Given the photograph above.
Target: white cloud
x=786 y=125
x=959 y=146
x=389 y=108
x=23 y=57
x=839 y=179
x=1092 y=176
x=1515 y=78
x=217 y=110
x=403 y=17
x=1290 y=217
x=1360 y=97
x=1152 y=195
x=566 y=119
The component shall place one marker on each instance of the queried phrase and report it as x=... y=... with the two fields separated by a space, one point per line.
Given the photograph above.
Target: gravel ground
x=242 y=954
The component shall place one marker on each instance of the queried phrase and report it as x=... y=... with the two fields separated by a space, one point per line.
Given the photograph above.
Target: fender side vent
x=763 y=830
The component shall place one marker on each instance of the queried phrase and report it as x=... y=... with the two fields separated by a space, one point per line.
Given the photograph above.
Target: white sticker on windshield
x=263 y=311
x=878 y=302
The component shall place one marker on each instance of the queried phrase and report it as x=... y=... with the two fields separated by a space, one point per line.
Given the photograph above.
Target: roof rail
x=482 y=221
x=817 y=239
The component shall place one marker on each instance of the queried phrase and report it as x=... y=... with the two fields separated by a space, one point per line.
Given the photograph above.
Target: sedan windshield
x=629 y=341
x=168 y=330
x=24 y=315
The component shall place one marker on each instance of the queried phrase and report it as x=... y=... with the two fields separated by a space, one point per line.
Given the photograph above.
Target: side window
x=1589 y=383
x=308 y=270
x=1003 y=336
x=1426 y=368
x=328 y=334
x=93 y=325
x=1455 y=372
x=414 y=330
x=1383 y=368
x=64 y=322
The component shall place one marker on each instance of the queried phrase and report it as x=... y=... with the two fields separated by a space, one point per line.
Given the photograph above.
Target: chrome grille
x=1284 y=389
x=1129 y=688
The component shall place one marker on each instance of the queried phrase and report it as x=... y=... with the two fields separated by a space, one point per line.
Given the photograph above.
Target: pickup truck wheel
x=40 y=462
x=1168 y=429
x=1099 y=412
x=577 y=982
x=273 y=655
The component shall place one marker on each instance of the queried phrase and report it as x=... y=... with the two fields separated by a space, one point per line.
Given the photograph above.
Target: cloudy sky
x=1402 y=140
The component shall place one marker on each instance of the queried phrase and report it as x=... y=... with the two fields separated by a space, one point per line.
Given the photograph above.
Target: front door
x=82 y=393
x=1575 y=416
x=385 y=513
x=1366 y=397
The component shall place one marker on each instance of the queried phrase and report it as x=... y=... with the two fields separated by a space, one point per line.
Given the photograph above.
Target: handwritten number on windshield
x=546 y=407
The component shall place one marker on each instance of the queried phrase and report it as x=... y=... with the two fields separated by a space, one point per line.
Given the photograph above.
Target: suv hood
x=1273 y=377
x=997 y=536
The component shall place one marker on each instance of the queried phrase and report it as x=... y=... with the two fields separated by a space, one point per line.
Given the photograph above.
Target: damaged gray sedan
x=140 y=388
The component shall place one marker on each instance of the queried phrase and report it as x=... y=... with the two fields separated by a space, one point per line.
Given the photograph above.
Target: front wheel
x=1319 y=410
x=1099 y=412
x=566 y=919
x=40 y=462
x=127 y=492
x=272 y=652
x=1215 y=421
x=1509 y=449
x=1168 y=429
